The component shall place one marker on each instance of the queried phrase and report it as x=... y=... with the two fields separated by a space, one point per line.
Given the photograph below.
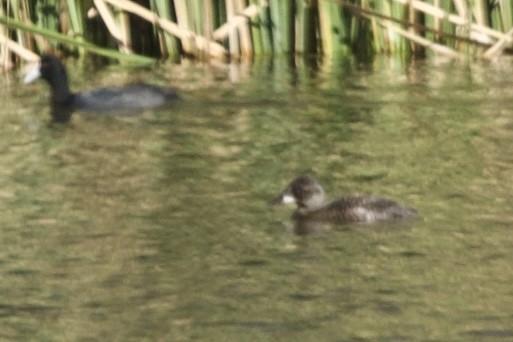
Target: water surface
x=157 y=227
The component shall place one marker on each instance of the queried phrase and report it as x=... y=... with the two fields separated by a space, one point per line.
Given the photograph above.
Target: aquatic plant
x=147 y=30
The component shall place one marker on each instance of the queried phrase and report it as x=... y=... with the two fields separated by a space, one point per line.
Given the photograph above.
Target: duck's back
x=358 y=209
x=132 y=97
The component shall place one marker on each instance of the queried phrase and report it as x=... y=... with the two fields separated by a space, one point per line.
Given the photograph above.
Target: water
x=158 y=227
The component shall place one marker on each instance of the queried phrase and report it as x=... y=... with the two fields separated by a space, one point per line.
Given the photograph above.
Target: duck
x=129 y=98
x=312 y=205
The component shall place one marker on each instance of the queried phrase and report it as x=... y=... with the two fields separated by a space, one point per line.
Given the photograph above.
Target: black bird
x=310 y=198
x=129 y=98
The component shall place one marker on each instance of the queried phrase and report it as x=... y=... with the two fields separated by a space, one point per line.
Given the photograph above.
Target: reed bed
x=231 y=30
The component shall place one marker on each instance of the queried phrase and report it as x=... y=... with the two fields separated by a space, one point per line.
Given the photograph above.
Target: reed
x=504 y=12
x=58 y=38
x=447 y=31
x=256 y=27
x=276 y=26
x=266 y=27
x=246 y=42
x=331 y=28
x=169 y=45
x=242 y=29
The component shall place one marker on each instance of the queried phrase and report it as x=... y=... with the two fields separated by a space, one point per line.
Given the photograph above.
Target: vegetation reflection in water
x=158 y=227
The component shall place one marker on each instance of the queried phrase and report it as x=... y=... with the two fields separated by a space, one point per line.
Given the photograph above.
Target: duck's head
x=50 y=69
x=305 y=191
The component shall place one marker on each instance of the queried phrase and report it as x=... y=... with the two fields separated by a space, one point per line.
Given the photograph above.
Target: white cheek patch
x=288 y=199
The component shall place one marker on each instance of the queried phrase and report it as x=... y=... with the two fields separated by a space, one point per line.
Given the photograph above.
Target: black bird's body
x=124 y=99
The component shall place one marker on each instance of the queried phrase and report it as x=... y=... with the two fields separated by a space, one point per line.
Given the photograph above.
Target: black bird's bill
x=33 y=74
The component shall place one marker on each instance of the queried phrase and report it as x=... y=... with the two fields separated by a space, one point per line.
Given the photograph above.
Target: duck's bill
x=283 y=199
x=288 y=199
x=32 y=75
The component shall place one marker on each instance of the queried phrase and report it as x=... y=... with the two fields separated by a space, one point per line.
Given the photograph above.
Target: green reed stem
x=63 y=39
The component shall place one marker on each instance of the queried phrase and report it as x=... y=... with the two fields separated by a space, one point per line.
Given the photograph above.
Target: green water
x=158 y=227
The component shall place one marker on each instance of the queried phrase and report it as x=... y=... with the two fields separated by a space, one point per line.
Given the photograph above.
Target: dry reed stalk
x=442 y=49
x=18 y=49
x=421 y=40
x=246 y=45
x=498 y=47
x=183 y=25
x=233 y=38
x=207 y=23
x=222 y=31
x=4 y=49
x=438 y=13
x=325 y=27
x=480 y=11
x=256 y=28
x=110 y=22
x=461 y=8
x=412 y=21
x=123 y=20
x=215 y=50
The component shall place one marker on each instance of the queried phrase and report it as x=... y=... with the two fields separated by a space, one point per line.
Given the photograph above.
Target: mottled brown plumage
x=312 y=205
